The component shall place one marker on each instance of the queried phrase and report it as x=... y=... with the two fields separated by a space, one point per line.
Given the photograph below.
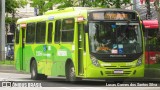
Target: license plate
x=118 y=71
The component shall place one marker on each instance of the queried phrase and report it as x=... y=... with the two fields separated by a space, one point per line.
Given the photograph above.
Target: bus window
x=67 y=30
x=57 y=31
x=30 y=33
x=50 y=28
x=17 y=34
x=40 y=32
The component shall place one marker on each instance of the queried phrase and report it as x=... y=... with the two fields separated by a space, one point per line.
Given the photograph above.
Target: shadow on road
x=83 y=83
x=61 y=82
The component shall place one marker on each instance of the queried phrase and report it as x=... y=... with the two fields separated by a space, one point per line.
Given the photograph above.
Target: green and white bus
x=81 y=43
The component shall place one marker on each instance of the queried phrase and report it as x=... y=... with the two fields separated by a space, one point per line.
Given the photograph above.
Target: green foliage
x=118 y=3
x=9 y=20
x=68 y=3
x=40 y=4
x=105 y=3
x=44 y=5
x=11 y=5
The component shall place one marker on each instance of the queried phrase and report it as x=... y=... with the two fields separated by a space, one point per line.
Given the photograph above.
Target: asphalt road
x=60 y=84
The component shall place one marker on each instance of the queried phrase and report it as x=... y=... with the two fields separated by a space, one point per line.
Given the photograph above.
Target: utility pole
x=148 y=15
x=2 y=29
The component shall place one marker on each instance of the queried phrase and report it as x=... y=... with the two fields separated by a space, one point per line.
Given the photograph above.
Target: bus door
x=50 y=51
x=56 y=44
x=23 y=49
x=17 y=50
x=80 y=48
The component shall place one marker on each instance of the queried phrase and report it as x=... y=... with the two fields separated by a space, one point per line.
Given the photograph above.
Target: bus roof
x=69 y=9
x=66 y=12
x=150 y=23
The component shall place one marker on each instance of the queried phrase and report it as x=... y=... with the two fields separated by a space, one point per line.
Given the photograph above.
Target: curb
x=10 y=69
x=152 y=72
x=7 y=67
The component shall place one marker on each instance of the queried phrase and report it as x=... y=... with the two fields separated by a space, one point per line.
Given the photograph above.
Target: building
x=25 y=12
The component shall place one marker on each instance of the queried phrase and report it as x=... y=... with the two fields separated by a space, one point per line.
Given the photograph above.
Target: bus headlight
x=139 y=61
x=94 y=61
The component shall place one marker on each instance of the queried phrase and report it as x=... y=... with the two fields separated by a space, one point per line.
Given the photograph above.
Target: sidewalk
x=152 y=73
x=8 y=69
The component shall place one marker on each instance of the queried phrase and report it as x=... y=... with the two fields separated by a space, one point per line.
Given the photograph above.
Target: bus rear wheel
x=34 y=73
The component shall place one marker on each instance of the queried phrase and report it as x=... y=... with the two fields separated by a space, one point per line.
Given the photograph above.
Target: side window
x=17 y=34
x=50 y=28
x=30 y=33
x=67 y=30
x=57 y=31
x=40 y=32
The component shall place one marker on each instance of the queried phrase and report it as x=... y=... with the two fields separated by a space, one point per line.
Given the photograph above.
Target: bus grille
x=117 y=67
x=125 y=69
x=111 y=73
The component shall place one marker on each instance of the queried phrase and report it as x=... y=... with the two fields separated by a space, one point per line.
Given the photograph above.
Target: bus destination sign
x=113 y=16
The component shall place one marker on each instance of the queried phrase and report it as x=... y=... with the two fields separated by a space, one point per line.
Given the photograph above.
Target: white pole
x=2 y=29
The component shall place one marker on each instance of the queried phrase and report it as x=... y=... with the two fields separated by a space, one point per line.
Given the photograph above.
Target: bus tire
x=70 y=74
x=34 y=72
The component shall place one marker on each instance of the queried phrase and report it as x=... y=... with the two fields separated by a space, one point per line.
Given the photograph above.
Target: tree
x=92 y=3
x=105 y=3
x=11 y=5
x=10 y=8
x=40 y=5
x=118 y=3
x=44 y=5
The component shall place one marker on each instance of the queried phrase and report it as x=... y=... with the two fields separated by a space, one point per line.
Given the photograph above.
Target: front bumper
x=103 y=72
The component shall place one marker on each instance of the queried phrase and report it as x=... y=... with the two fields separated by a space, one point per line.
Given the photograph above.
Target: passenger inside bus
x=128 y=35
x=105 y=39
x=132 y=34
x=120 y=39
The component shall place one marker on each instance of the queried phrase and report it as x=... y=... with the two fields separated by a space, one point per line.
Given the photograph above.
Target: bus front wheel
x=34 y=72
x=70 y=74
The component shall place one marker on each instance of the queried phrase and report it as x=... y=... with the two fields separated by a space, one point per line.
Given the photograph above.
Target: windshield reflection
x=115 y=38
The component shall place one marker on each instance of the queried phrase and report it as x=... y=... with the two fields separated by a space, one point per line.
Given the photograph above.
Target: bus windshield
x=115 y=38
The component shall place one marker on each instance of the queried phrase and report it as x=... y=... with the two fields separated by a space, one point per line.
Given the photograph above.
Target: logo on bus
x=62 y=53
